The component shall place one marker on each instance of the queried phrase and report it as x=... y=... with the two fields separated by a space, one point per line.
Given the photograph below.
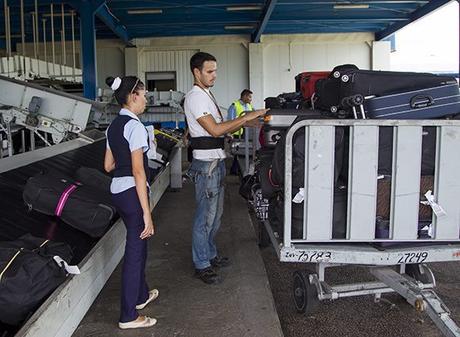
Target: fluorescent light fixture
x=238 y=27
x=244 y=8
x=351 y=6
x=145 y=11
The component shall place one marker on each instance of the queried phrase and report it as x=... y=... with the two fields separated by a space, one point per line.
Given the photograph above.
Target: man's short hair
x=198 y=59
x=245 y=92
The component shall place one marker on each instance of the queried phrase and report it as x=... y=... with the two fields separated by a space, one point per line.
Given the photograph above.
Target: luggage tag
x=70 y=269
x=437 y=209
x=300 y=196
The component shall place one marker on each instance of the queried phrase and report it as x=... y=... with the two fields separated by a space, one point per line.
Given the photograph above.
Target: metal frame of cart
x=402 y=270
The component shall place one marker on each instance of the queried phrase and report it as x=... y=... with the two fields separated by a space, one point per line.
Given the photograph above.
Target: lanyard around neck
x=213 y=99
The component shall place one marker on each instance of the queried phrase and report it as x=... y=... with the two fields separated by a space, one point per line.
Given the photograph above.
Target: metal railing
x=319 y=175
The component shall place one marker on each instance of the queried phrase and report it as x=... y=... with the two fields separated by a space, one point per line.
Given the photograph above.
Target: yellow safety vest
x=239 y=109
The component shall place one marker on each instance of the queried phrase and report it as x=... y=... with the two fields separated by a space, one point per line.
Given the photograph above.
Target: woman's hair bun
x=109 y=81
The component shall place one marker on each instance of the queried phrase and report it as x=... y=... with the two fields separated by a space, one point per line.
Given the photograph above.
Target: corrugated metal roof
x=138 y=19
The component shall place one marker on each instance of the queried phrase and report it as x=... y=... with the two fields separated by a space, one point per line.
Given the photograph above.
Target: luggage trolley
x=400 y=263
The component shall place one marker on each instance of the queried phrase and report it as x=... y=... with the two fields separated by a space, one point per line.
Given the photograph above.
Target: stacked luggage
x=387 y=94
x=348 y=92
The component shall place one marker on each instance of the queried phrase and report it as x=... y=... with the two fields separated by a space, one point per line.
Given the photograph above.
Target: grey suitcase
x=428 y=103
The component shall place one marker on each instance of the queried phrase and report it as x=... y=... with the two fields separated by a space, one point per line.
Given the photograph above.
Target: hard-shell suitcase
x=428 y=103
x=305 y=82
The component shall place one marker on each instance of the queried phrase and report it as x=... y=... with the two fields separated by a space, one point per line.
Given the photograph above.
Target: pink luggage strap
x=63 y=199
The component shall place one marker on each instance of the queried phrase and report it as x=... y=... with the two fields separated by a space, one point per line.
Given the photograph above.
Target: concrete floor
x=242 y=305
x=357 y=316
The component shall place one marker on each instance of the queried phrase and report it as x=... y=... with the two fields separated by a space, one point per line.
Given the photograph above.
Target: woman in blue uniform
x=125 y=156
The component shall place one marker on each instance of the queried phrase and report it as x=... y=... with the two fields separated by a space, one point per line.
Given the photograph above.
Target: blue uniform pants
x=134 y=289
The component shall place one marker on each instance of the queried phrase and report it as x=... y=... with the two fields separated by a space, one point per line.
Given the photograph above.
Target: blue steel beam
x=263 y=23
x=422 y=11
x=87 y=9
x=104 y=14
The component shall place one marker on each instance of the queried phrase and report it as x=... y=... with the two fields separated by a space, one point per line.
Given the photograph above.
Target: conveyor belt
x=17 y=220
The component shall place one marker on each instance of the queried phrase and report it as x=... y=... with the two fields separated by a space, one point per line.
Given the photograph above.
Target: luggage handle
x=421 y=101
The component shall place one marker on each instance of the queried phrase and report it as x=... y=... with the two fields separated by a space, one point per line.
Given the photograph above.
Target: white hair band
x=116 y=83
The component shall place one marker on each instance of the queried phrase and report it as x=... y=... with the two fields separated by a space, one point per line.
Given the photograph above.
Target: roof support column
x=256 y=73
x=131 y=62
x=381 y=55
x=87 y=10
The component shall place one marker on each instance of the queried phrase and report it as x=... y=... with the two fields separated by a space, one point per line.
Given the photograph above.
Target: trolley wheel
x=263 y=238
x=419 y=272
x=305 y=294
x=345 y=78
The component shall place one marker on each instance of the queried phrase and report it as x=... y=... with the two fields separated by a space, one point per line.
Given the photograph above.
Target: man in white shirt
x=207 y=129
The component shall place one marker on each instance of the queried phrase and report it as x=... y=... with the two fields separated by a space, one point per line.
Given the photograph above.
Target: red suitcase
x=305 y=82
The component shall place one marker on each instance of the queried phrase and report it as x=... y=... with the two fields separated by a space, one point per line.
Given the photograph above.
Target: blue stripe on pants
x=134 y=289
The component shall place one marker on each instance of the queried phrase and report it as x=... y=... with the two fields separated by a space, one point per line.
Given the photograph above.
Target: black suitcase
x=339 y=215
x=28 y=275
x=418 y=104
x=272 y=103
x=263 y=170
x=327 y=96
x=84 y=208
x=380 y=83
x=385 y=165
x=330 y=92
x=298 y=156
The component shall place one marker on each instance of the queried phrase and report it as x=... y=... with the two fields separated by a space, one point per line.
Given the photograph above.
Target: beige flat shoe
x=145 y=323
x=153 y=294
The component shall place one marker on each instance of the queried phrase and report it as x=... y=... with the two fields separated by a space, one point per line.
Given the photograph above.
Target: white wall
x=110 y=62
x=173 y=54
x=285 y=56
x=275 y=61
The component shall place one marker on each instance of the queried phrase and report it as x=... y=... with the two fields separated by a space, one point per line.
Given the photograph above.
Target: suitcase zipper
x=15 y=256
x=9 y=263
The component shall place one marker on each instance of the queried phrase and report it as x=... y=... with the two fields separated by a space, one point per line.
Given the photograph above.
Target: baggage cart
x=399 y=262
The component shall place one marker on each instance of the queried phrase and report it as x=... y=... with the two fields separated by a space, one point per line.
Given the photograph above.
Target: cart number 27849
x=418 y=257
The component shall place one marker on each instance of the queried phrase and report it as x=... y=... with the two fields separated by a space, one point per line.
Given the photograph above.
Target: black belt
x=206 y=143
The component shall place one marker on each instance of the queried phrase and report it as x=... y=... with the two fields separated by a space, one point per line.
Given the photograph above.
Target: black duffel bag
x=94 y=178
x=28 y=275
x=85 y=208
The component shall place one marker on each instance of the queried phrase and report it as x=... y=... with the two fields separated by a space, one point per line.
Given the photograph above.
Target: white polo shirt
x=198 y=103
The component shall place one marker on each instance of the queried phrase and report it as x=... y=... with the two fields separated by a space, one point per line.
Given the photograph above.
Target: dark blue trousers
x=134 y=289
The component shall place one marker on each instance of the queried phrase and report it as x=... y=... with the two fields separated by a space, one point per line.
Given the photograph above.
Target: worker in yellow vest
x=239 y=107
